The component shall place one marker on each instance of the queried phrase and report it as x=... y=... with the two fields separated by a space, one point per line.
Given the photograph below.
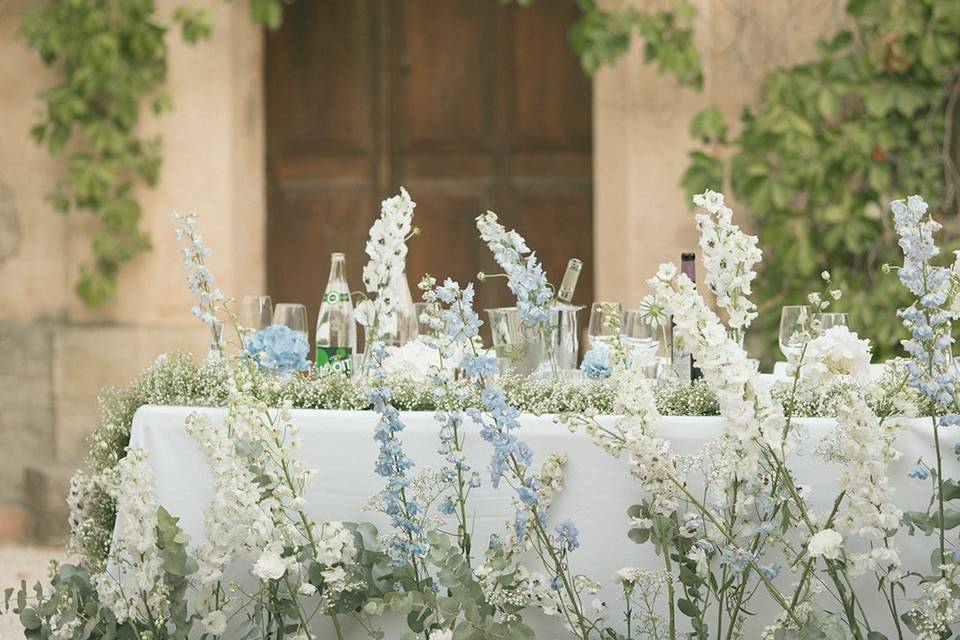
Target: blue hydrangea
x=596 y=363
x=278 y=348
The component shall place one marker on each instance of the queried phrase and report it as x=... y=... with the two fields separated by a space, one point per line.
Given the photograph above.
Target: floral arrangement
x=727 y=523
x=387 y=250
x=729 y=256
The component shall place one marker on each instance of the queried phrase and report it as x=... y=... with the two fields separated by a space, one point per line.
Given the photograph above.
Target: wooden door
x=469 y=104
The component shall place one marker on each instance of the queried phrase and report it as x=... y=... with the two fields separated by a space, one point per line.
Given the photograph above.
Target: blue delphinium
x=919 y=472
x=393 y=464
x=525 y=276
x=596 y=363
x=568 y=535
x=927 y=319
x=278 y=348
x=496 y=418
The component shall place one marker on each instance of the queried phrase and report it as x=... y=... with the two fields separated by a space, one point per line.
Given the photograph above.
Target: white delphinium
x=751 y=417
x=209 y=298
x=864 y=448
x=836 y=352
x=133 y=586
x=729 y=256
x=387 y=250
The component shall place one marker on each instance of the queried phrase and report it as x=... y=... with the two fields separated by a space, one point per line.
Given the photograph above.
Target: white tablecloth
x=339 y=445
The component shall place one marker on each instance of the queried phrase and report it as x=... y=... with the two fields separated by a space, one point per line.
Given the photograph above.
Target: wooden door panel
x=470 y=104
x=442 y=74
x=446 y=246
x=557 y=227
x=551 y=98
x=320 y=78
x=305 y=227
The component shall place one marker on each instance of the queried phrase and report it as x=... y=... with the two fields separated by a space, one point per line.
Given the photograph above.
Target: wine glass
x=293 y=316
x=794 y=329
x=256 y=312
x=423 y=329
x=828 y=320
x=599 y=329
x=641 y=338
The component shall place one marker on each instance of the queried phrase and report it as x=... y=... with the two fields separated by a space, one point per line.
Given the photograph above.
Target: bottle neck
x=338 y=269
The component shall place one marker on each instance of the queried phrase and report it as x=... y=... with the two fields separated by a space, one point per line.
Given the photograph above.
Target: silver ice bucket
x=527 y=348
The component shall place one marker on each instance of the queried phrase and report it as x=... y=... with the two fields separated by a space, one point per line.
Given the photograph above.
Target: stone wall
x=57 y=354
x=641 y=128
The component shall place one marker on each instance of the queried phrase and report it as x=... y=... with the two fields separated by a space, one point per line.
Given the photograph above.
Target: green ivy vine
x=601 y=36
x=827 y=146
x=830 y=143
x=112 y=56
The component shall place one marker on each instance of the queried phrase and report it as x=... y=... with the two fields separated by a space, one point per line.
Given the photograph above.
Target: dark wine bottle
x=688 y=266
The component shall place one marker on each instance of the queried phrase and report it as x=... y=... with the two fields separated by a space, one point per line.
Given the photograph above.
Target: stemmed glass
x=293 y=316
x=828 y=320
x=795 y=329
x=256 y=312
x=641 y=338
x=599 y=330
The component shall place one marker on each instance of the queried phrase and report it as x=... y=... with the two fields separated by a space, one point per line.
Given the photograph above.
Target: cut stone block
x=45 y=492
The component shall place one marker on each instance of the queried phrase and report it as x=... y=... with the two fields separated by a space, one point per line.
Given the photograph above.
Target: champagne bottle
x=336 y=331
x=569 y=283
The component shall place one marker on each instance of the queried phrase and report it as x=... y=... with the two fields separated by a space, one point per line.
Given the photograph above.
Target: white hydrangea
x=836 y=352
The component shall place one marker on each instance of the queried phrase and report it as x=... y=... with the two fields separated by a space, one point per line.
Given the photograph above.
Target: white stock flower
x=441 y=634
x=214 y=622
x=269 y=566
x=133 y=583
x=825 y=544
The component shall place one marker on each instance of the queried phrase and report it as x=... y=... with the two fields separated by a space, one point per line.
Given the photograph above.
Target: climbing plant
x=601 y=36
x=112 y=60
x=830 y=143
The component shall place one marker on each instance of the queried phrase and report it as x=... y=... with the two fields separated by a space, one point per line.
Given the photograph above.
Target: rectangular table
x=340 y=446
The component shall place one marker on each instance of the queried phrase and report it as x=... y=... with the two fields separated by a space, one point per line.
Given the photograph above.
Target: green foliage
x=112 y=55
x=601 y=36
x=830 y=144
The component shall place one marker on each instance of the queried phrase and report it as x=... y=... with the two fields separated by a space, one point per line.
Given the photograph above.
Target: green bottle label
x=340 y=358
x=333 y=297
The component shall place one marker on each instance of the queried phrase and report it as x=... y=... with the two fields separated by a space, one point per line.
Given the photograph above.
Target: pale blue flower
x=919 y=472
x=568 y=535
x=596 y=363
x=278 y=348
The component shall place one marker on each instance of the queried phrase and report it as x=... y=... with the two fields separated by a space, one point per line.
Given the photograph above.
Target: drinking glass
x=599 y=331
x=642 y=340
x=794 y=329
x=256 y=312
x=293 y=316
x=423 y=329
x=828 y=320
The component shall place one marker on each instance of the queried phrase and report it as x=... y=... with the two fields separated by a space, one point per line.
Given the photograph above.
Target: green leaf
x=708 y=126
x=687 y=608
